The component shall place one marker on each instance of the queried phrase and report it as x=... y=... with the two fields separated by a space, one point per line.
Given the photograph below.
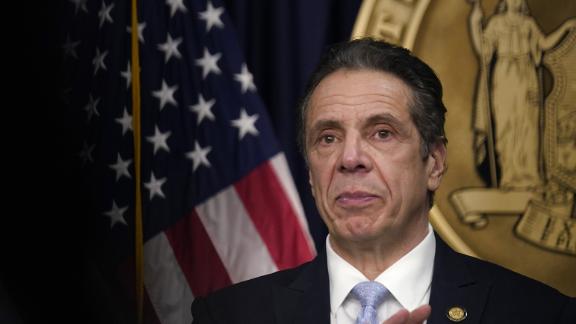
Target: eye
x=328 y=139
x=383 y=134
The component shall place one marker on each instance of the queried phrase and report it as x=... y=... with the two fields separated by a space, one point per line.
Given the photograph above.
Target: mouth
x=355 y=199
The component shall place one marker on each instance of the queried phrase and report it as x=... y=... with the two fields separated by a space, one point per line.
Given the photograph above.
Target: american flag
x=219 y=204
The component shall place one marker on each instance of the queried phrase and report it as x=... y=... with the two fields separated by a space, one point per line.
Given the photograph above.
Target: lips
x=355 y=198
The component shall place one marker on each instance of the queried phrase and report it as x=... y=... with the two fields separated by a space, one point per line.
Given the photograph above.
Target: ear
x=436 y=165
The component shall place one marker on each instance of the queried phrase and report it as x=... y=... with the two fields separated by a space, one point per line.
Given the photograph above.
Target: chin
x=360 y=230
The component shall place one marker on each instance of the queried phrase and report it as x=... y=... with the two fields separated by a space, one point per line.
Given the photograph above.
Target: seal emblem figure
x=509 y=72
x=513 y=53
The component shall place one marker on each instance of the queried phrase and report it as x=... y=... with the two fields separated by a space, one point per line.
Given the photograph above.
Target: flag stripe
x=274 y=217
x=150 y=315
x=280 y=166
x=234 y=236
x=165 y=282
x=197 y=256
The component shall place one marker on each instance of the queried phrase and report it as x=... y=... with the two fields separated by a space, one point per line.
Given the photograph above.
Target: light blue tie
x=370 y=294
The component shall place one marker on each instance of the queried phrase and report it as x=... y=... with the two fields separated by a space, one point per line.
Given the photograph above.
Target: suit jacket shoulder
x=297 y=295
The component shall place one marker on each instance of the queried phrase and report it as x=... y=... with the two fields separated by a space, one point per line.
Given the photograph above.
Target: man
x=373 y=137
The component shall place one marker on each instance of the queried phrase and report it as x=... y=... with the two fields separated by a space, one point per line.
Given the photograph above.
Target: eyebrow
x=325 y=124
x=385 y=118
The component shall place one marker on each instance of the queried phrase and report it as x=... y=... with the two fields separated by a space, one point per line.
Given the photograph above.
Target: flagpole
x=138 y=235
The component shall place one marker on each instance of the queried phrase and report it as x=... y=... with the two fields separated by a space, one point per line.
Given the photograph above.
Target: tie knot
x=370 y=293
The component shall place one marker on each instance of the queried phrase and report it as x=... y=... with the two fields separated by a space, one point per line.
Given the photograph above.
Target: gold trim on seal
x=443 y=228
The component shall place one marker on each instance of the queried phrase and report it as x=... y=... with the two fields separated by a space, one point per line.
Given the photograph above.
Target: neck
x=373 y=257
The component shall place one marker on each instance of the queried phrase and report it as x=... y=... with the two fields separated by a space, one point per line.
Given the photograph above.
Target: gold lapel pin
x=456 y=314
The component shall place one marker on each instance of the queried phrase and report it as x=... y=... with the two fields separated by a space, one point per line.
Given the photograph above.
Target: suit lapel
x=454 y=285
x=306 y=299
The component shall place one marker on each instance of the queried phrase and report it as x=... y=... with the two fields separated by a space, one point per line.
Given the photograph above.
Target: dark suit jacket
x=489 y=294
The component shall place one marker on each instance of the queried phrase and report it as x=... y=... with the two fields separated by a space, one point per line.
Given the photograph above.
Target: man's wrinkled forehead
x=358 y=89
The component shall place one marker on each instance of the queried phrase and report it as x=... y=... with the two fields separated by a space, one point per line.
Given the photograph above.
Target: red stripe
x=274 y=217
x=197 y=256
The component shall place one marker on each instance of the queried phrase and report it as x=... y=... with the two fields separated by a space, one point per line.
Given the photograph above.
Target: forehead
x=346 y=91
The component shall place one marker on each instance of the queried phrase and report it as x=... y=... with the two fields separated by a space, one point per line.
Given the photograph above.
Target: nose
x=354 y=157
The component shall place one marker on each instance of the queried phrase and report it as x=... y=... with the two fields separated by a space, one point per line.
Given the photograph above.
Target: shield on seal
x=509 y=75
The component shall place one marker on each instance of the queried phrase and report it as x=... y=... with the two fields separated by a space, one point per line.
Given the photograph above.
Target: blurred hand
x=417 y=316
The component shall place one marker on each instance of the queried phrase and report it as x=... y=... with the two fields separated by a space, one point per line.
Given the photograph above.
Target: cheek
x=321 y=183
x=316 y=176
x=314 y=185
x=320 y=171
x=401 y=174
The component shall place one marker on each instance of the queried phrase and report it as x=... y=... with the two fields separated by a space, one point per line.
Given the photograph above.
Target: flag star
x=127 y=75
x=79 y=4
x=203 y=109
x=116 y=214
x=86 y=153
x=209 y=63
x=155 y=186
x=246 y=124
x=176 y=5
x=104 y=13
x=170 y=48
x=246 y=80
x=98 y=60
x=212 y=16
x=140 y=27
x=159 y=140
x=91 y=107
x=199 y=156
x=166 y=95
x=125 y=121
x=121 y=167
x=69 y=47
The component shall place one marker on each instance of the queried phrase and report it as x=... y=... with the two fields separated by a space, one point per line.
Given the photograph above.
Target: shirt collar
x=408 y=279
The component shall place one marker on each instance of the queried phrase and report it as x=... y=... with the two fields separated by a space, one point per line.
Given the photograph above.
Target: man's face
x=367 y=172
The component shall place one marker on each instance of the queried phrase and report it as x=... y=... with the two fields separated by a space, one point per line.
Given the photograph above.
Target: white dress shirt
x=408 y=281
